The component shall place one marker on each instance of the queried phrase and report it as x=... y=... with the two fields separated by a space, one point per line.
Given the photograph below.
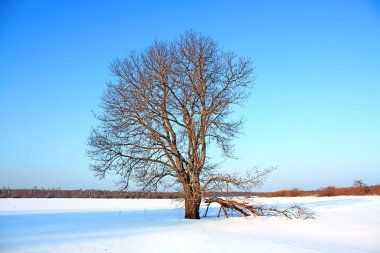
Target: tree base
x=192 y=209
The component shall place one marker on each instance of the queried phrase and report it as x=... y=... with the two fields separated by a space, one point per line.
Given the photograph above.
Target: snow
x=343 y=224
x=79 y=205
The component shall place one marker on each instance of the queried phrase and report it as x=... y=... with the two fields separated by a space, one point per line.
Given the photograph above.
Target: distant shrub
x=327 y=191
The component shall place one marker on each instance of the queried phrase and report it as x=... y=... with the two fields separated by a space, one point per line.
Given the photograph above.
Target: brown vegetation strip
x=326 y=192
x=58 y=193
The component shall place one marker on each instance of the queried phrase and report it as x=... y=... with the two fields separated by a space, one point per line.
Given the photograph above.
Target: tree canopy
x=164 y=107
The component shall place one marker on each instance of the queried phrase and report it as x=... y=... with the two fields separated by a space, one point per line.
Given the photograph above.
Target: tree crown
x=165 y=105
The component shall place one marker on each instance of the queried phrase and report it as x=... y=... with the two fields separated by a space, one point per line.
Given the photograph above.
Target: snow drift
x=343 y=224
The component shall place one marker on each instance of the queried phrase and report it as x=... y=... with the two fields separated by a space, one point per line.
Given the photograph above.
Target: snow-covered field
x=343 y=224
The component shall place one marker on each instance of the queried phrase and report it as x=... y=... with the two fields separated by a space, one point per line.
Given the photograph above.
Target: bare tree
x=165 y=106
x=359 y=183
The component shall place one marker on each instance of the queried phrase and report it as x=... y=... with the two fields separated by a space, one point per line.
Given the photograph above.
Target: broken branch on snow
x=246 y=209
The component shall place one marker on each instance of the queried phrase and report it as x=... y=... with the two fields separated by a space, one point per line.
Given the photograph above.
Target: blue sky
x=314 y=110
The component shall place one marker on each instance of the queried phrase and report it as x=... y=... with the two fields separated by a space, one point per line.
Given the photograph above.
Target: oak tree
x=165 y=106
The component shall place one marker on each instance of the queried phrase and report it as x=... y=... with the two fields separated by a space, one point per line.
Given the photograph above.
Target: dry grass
x=58 y=193
x=327 y=192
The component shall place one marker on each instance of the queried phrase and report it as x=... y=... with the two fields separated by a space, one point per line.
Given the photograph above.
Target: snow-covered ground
x=343 y=224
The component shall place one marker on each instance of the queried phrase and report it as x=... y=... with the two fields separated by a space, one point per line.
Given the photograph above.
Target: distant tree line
x=358 y=189
x=59 y=193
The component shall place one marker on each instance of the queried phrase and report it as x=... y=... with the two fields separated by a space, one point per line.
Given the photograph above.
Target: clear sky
x=314 y=111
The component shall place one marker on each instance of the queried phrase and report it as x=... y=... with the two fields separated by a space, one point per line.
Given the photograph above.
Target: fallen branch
x=246 y=209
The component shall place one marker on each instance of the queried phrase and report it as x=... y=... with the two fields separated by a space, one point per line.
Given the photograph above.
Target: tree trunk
x=192 y=203
x=192 y=208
